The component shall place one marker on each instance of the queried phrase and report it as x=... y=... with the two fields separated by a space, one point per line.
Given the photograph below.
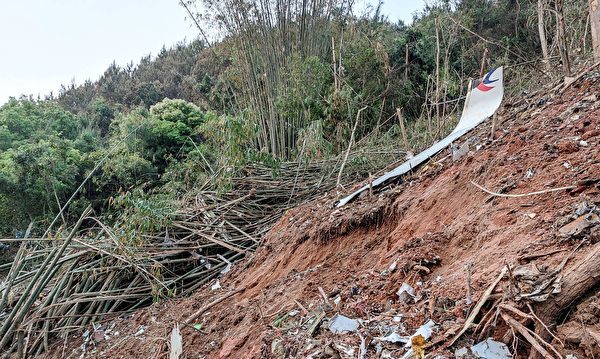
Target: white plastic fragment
x=529 y=173
x=337 y=301
x=394 y=338
x=176 y=343
x=425 y=330
x=491 y=349
x=140 y=331
x=216 y=286
x=461 y=352
x=226 y=269
x=341 y=324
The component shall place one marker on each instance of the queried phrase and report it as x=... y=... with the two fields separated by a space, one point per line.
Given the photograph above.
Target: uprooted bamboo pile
x=60 y=285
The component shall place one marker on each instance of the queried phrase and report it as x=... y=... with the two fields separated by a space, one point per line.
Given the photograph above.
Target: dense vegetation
x=283 y=83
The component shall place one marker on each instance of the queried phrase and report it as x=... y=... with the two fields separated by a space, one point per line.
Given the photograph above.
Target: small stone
x=567 y=147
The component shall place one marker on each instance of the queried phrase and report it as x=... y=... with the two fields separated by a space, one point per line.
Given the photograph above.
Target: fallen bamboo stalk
x=200 y=311
x=103 y=274
x=27 y=300
x=527 y=335
x=480 y=303
x=521 y=194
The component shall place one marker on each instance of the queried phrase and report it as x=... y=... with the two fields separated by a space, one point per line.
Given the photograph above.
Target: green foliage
x=102 y=114
x=43 y=157
x=154 y=138
x=173 y=123
x=309 y=82
x=270 y=91
x=230 y=139
x=135 y=213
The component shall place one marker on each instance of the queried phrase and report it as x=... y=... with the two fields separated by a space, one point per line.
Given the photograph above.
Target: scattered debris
x=534 y=284
x=216 y=286
x=227 y=268
x=406 y=293
x=340 y=324
x=176 y=343
x=459 y=152
x=529 y=174
x=393 y=266
x=315 y=323
x=277 y=348
x=140 y=331
x=579 y=225
x=425 y=331
x=417 y=341
x=461 y=352
x=394 y=338
x=325 y=299
x=491 y=349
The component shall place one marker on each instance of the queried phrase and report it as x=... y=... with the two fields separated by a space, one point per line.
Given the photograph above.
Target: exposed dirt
x=431 y=226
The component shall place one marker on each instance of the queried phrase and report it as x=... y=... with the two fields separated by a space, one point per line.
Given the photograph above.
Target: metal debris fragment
x=491 y=349
x=340 y=324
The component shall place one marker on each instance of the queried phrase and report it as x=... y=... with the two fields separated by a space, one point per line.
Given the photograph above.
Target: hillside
x=438 y=233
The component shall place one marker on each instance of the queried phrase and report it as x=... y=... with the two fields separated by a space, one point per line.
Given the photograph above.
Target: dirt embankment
x=429 y=232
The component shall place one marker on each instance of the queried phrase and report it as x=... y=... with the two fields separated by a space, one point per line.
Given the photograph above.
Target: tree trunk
x=562 y=41
x=483 y=63
x=595 y=28
x=542 y=32
x=437 y=77
x=579 y=279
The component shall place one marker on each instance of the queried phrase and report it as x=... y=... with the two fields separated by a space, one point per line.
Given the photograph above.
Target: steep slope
x=429 y=232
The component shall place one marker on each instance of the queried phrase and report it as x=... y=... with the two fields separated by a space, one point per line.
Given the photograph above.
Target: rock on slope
x=433 y=232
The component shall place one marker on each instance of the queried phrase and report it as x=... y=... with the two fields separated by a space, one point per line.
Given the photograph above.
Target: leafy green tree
x=44 y=156
x=145 y=142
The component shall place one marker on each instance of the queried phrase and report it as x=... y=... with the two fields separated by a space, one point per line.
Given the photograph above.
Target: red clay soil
x=431 y=226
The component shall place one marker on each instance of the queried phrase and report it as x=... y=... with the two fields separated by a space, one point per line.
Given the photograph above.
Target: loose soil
x=424 y=231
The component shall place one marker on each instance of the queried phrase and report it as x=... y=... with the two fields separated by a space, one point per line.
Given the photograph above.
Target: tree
x=542 y=33
x=44 y=154
x=562 y=37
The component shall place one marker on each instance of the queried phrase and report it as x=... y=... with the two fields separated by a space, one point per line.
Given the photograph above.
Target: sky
x=46 y=43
